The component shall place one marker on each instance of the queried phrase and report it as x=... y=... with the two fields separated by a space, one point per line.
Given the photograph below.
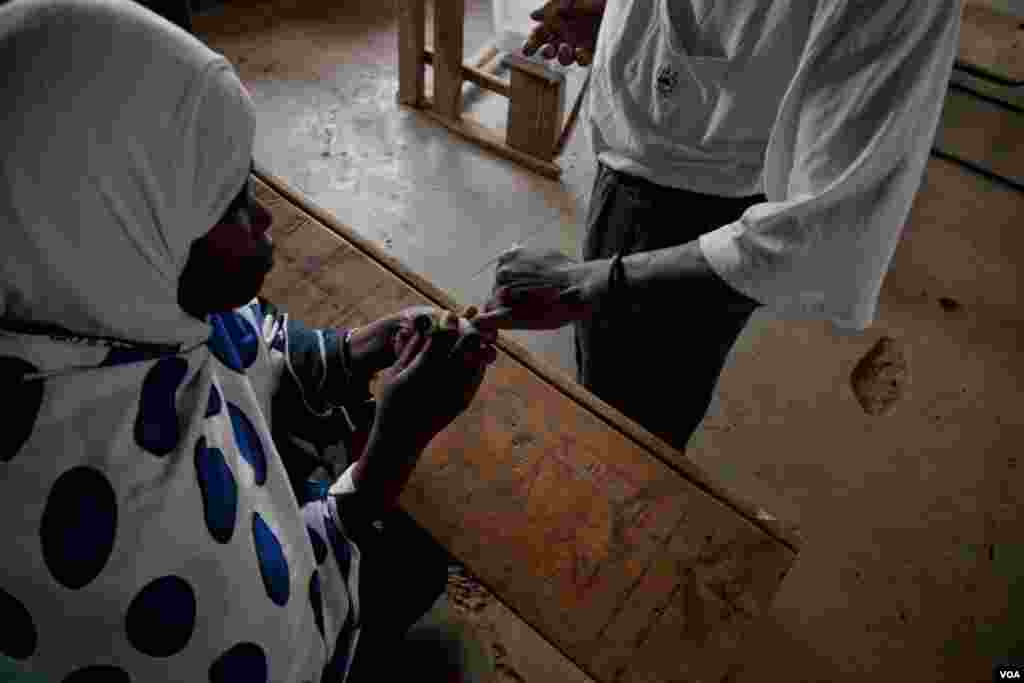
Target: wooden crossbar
x=535 y=132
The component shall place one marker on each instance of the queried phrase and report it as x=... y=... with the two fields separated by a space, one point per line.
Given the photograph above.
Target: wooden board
x=448 y=45
x=412 y=33
x=983 y=133
x=535 y=108
x=993 y=43
x=637 y=570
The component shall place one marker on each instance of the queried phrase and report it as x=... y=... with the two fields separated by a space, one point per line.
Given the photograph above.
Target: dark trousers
x=656 y=361
x=403 y=571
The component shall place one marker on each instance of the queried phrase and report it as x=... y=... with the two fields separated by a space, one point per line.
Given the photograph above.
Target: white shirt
x=827 y=108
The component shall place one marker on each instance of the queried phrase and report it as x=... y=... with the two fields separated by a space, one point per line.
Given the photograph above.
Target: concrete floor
x=913 y=566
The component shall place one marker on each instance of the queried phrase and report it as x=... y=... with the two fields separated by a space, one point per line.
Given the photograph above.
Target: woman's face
x=226 y=267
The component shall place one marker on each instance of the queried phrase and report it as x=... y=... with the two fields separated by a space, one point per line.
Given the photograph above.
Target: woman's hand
x=568 y=30
x=378 y=345
x=434 y=380
x=542 y=290
x=436 y=377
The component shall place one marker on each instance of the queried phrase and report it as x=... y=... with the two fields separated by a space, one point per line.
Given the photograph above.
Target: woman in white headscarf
x=157 y=528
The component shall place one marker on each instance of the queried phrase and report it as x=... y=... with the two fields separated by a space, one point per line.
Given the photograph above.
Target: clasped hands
x=432 y=373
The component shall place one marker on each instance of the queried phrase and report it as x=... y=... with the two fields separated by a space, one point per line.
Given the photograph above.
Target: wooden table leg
x=448 y=45
x=412 y=34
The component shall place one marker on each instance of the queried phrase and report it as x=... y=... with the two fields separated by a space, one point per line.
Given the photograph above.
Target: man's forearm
x=679 y=275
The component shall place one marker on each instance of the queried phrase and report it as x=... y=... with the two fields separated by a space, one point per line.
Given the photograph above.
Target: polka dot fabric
x=167 y=539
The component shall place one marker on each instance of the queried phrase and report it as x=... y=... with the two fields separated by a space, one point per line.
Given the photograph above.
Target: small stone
x=950 y=305
x=880 y=378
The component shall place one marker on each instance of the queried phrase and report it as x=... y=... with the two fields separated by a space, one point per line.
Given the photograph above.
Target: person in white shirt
x=751 y=153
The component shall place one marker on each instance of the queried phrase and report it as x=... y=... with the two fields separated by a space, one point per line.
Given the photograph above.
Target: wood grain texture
x=620 y=561
x=449 y=16
x=993 y=41
x=412 y=33
x=534 y=111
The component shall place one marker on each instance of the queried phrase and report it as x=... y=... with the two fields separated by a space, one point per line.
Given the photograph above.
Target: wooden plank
x=412 y=34
x=299 y=209
x=535 y=108
x=476 y=75
x=984 y=133
x=470 y=128
x=625 y=564
x=448 y=45
x=993 y=42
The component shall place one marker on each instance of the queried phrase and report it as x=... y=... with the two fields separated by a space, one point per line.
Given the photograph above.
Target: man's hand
x=542 y=290
x=568 y=30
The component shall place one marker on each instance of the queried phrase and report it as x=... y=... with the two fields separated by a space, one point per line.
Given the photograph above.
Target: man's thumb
x=565 y=8
x=493 y=319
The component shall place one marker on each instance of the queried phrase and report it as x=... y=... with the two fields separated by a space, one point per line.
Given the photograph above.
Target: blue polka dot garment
x=158 y=536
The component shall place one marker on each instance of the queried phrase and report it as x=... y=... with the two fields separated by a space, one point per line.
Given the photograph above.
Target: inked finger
x=549 y=51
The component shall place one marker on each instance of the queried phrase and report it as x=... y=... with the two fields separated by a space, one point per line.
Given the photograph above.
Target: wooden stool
x=536 y=94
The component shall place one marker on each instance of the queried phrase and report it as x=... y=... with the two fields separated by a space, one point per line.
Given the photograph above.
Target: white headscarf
x=125 y=139
x=157 y=536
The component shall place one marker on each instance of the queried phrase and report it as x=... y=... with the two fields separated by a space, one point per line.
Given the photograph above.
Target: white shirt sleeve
x=846 y=157
x=344 y=486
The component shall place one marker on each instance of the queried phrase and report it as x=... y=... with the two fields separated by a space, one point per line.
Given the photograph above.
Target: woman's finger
x=549 y=51
x=566 y=56
x=467 y=345
x=437 y=350
x=413 y=347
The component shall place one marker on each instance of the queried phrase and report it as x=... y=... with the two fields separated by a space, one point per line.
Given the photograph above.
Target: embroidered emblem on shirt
x=667 y=81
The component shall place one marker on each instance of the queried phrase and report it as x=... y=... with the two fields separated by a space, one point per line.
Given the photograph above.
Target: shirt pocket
x=683 y=91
